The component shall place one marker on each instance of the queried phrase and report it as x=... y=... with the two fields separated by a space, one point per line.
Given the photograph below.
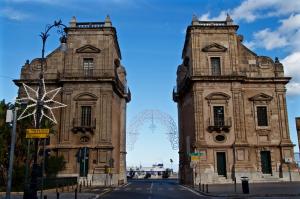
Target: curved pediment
x=85 y=97
x=88 y=49
x=217 y=96
x=261 y=97
x=214 y=48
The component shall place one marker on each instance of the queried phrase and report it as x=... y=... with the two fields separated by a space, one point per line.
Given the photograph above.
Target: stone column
x=238 y=116
x=198 y=115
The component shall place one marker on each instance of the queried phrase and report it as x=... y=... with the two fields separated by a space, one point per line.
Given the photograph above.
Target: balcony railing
x=90 y=24
x=83 y=126
x=88 y=73
x=219 y=124
x=222 y=72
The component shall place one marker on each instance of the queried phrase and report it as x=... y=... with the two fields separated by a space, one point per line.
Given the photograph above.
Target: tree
x=54 y=164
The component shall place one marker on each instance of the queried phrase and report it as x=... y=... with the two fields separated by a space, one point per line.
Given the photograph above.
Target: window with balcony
x=86 y=116
x=88 y=66
x=218 y=115
x=215 y=63
x=262 y=116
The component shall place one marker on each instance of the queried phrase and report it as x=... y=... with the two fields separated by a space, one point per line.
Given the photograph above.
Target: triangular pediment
x=217 y=96
x=85 y=97
x=88 y=49
x=261 y=97
x=214 y=48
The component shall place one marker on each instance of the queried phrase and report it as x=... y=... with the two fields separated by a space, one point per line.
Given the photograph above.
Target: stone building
x=91 y=129
x=231 y=109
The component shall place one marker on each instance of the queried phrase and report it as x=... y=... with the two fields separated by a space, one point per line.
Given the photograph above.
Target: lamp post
x=32 y=192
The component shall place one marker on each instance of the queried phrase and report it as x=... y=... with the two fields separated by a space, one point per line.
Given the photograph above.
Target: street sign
x=37 y=133
x=195 y=158
x=197 y=154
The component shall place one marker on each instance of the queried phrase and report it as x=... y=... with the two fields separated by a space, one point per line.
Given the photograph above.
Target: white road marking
x=151 y=187
x=191 y=190
x=127 y=184
x=150 y=196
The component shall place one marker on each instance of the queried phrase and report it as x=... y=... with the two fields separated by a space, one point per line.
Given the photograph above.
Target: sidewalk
x=86 y=193
x=280 y=189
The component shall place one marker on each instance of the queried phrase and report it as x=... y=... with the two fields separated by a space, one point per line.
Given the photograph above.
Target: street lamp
x=40 y=104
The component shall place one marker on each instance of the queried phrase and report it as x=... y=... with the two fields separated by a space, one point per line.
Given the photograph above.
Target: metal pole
x=27 y=167
x=43 y=168
x=11 y=155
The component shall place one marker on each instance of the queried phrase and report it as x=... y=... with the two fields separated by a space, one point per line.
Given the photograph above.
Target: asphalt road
x=152 y=189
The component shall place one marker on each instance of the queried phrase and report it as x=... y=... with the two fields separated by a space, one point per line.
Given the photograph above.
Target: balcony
x=223 y=124
x=222 y=72
x=83 y=126
x=88 y=73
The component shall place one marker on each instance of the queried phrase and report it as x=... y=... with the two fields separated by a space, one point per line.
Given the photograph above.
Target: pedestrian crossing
x=148 y=189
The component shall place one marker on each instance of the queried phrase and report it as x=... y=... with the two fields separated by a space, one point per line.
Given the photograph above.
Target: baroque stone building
x=231 y=109
x=91 y=129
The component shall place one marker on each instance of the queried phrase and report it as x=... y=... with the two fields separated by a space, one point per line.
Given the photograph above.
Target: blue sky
x=151 y=35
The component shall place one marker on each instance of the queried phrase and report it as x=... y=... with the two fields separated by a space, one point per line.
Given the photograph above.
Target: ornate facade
x=91 y=130
x=231 y=109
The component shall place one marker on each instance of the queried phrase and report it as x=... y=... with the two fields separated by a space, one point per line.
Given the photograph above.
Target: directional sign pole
x=11 y=156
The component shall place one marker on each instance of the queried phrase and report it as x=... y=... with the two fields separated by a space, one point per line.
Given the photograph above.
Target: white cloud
x=250 y=10
x=220 y=17
x=249 y=44
x=13 y=14
x=291 y=65
x=293 y=88
x=269 y=39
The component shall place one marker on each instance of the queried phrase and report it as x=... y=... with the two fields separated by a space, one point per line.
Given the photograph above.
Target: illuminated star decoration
x=47 y=103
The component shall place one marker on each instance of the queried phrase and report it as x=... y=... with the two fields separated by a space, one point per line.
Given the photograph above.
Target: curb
x=241 y=195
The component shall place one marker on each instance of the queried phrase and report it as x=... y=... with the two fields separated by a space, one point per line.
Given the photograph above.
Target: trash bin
x=245 y=184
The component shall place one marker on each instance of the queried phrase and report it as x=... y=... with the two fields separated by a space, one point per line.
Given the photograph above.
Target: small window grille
x=215 y=65
x=219 y=116
x=86 y=114
x=88 y=66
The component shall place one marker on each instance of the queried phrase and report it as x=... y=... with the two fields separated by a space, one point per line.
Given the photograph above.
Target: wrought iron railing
x=217 y=73
x=88 y=73
x=78 y=122
x=219 y=124
x=90 y=24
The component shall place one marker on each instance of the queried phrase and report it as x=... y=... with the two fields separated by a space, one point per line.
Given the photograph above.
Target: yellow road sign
x=37 y=133
x=195 y=158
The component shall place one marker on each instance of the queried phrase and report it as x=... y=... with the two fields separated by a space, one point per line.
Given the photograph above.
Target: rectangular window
x=218 y=116
x=215 y=65
x=262 y=116
x=86 y=115
x=88 y=66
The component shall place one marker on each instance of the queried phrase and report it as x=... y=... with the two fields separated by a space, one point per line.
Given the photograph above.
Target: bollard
x=45 y=196
x=57 y=195
x=75 y=193
x=206 y=188
x=199 y=186
x=202 y=187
